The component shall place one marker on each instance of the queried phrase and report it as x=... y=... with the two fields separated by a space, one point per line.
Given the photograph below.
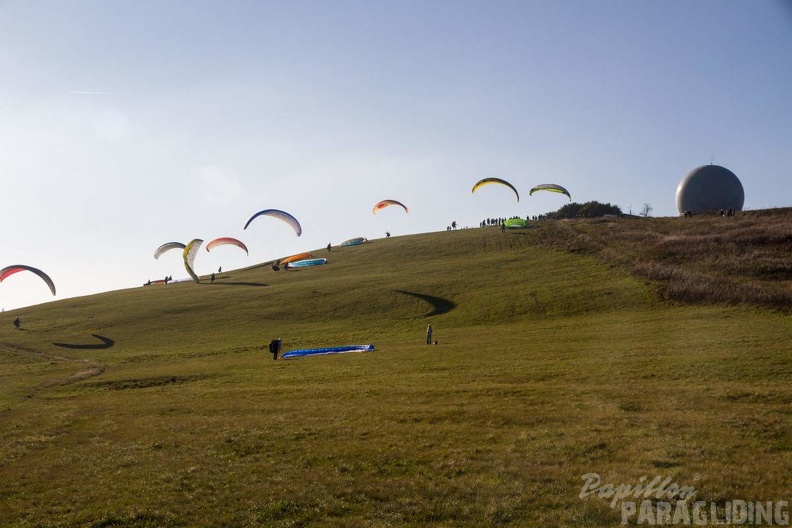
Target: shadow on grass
x=233 y=284
x=106 y=342
x=439 y=305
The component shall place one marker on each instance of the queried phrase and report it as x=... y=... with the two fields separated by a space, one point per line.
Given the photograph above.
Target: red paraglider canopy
x=385 y=203
x=16 y=268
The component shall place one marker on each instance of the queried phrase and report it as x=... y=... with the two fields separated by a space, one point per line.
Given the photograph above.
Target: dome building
x=709 y=188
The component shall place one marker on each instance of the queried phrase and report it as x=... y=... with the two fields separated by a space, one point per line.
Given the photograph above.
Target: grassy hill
x=558 y=355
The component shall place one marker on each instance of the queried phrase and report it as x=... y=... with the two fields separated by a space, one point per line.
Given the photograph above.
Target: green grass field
x=558 y=355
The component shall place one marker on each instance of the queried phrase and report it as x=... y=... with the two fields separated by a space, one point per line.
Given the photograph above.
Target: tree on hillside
x=586 y=210
x=646 y=210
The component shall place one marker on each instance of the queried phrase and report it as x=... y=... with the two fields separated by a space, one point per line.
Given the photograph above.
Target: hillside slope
x=159 y=406
x=385 y=287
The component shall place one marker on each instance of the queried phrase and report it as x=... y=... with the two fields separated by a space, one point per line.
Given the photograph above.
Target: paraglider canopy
x=189 y=254
x=386 y=203
x=514 y=223
x=167 y=247
x=226 y=240
x=552 y=187
x=281 y=215
x=293 y=258
x=488 y=181
x=16 y=268
x=354 y=241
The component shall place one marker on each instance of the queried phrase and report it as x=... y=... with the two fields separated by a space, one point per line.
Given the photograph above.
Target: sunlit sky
x=128 y=124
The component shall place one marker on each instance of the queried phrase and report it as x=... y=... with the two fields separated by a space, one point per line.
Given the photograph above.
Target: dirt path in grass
x=91 y=368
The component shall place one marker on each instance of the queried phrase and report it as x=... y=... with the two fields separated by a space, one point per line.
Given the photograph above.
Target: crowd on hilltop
x=500 y=221
x=493 y=221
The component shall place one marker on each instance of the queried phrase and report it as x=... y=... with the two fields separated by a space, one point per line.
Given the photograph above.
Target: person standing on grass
x=17 y=323
x=275 y=347
x=429 y=335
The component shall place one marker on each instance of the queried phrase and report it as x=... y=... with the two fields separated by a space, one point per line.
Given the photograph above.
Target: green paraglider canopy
x=514 y=223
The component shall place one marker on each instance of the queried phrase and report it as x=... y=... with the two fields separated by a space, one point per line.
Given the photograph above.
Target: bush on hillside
x=586 y=210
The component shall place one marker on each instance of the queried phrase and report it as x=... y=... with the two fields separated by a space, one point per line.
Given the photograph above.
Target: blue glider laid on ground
x=306 y=263
x=354 y=241
x=330 y=350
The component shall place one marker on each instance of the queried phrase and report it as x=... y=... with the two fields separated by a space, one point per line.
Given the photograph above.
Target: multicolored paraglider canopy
x=16 y=268
x=488 y=181
x=386 y=203
x=222 y=241
x=281 y=215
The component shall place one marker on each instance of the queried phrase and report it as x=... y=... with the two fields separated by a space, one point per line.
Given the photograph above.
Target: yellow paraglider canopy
x=487 y=181
x=552 y=187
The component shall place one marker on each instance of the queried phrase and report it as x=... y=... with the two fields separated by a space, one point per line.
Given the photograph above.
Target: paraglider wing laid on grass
x=167 y=247
x=306 y=263
x=299 y=256
x=222 y=241
x=354 y=241
x=282 y=215
x=329 y=350
x=488 y=181
x=190 y=251
x=386 y=203
x=514 y=223
x=552 y=187
x=16 y=268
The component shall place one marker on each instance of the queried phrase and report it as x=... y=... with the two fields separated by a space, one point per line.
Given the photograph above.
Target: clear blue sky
x=125 y=125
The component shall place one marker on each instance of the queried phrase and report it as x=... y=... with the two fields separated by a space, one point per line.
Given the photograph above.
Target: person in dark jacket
x=275 y=347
